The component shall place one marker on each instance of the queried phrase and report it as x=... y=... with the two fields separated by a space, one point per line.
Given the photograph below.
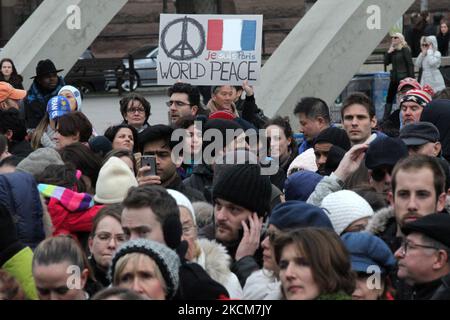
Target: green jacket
x=334 y=296
x=19 y=266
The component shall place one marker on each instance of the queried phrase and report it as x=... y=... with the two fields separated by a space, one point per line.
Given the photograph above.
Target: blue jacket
x=19 y=193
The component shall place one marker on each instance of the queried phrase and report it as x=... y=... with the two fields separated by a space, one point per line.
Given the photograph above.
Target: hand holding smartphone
x=147 y=160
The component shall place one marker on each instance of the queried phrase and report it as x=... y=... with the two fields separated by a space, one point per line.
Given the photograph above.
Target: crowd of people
x=359 y=210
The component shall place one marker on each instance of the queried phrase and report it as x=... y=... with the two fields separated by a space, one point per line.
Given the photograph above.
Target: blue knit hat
x=368 y=250
x=300 y=185
x=57 y=107
x=297 y=214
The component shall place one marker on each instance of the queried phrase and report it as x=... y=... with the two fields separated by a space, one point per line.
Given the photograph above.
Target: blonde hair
x=39 y=132
x=402 y=43
x=134 y=258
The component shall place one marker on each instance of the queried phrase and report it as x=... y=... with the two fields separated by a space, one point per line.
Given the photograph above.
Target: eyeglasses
x=133 y=110
x=425 y=44
x=106 y=237
x=394 y=37
x=406 y=245
x=177 y=103
x=378 y=174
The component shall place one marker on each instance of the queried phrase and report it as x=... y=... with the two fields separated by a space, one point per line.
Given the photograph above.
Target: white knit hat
x=76 y=93
x=183 y=201
x=114 y=180
x=304 y=161
x=345 y=207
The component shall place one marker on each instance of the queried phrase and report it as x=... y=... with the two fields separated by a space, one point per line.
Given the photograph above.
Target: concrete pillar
x=324 y=50
x=60 y=30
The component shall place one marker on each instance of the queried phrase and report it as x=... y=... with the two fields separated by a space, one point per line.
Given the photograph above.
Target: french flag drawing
x=231 y=35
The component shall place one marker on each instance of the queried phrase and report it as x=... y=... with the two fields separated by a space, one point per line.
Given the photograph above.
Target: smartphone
x=149 y=161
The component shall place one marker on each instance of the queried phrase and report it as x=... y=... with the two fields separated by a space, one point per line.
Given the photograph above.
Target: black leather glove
x=9 y=241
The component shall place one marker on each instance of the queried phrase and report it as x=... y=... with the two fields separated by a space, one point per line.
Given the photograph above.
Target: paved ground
x=104 y=110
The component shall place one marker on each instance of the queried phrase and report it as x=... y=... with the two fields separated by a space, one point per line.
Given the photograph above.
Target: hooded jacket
x=71 y=212
x=430 y=64
x=215 y=260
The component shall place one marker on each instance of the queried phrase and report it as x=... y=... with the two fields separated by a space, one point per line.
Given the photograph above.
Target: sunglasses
x=378 y=174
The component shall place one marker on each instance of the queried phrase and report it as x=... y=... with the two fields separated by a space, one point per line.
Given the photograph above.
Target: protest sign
x=209 y=49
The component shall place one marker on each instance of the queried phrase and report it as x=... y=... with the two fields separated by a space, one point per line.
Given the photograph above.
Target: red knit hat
x=226 y=115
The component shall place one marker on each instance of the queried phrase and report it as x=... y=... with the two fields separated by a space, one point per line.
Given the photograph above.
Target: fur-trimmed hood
x=378 y=223
x=215 y=260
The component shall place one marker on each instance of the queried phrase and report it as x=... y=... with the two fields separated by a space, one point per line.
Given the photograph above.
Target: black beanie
x=335 y=136
x=244 y=186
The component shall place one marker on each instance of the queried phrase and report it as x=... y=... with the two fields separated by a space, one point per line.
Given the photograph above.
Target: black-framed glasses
x=406 y=245
x=379 y=173
x=425 y=44
x=133 y=110
x=177 y=103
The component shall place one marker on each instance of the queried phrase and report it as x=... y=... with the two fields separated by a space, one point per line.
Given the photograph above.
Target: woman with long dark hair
x=8 y=73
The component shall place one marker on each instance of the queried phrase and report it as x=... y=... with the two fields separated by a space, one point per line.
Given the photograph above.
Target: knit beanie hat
x=244 y=186
x=222 y=114
x=100 y=145
x=345 y=207
x=38 y=160
x=57 y=107
x=300 y=185
x=183 y=201
x=76 y=93
x=165 y=258
x=304 y=161
x=114 y=180
x=418 y=96
x=368 y=250
x=298 y=214
x=335 y=136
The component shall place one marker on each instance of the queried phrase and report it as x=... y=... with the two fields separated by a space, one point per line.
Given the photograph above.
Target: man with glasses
x=423 y=258
x=184 y=100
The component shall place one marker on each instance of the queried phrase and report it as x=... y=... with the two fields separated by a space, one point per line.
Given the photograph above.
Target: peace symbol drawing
x=177 y=39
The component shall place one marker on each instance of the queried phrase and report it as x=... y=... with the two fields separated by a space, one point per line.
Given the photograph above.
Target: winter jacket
x=438 y=113
x=327 y=185
x=252 y=113
x=430 y=64
x=201 y=179
x=71 y=212
x=36 y=102
x=215 y=260
x=261 y=285
x=438 y=289
x=20 y=267
x=242 y=268
x=402 y=64
x=19 y=194
x=384 y=225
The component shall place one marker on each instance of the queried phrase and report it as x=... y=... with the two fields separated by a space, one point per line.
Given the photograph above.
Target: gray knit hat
x=38 y=160
x=165 y=258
